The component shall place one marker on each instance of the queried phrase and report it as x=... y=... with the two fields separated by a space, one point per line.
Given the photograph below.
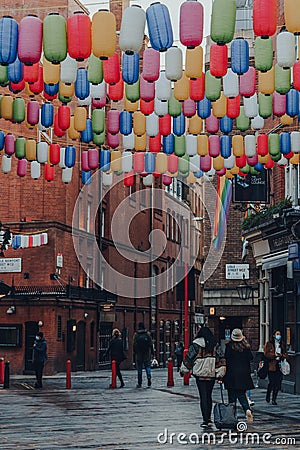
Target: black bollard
x=6 y=375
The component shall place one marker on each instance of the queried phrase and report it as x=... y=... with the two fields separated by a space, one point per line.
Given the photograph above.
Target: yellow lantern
x=139 y=123
x=161 y=163
x=104 y=34
x=219 y=106
x=194 y=62
x=292 y=16
x=130 y=106
x=30 y=149
x=238 y=145
x=51 y=72
x=286 y=120
x=7 y=107
x=235 y=170
x=28 y=91
x=218 y=163
x=140 y=142
x=80 y=116
x=195 y=125
x=263 y=159
x=182 y=88
x=202 y=145
x=72 y=132
x=191 y=179
x=66 y=90
x=29 y=126
x=295 y=159
x=229 y=174
x=266 y=81
x=116 y=161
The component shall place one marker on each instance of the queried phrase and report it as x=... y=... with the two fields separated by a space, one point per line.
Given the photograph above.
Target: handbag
x=225 y=414
x=285 y=367
x=263 y=368
x=204 y=367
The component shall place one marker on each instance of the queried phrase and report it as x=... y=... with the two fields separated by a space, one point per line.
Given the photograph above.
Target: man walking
x=39 y=358
x=142 y=352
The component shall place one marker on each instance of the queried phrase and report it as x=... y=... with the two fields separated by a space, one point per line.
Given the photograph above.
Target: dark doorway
x=31 y=328
x=80 y=346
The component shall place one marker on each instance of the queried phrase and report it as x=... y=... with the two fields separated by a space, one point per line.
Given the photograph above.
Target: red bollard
x=113 y=374
x=186 y=377
x=1 y=370
x=68 y=375
x=170 y=373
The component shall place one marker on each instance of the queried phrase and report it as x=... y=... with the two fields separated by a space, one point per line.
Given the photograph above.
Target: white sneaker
x=249 y=416
x=251 y=403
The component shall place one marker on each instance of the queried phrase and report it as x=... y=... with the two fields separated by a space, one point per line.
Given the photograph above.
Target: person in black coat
x=39 y=358
x=115 y=349
x=238 y=371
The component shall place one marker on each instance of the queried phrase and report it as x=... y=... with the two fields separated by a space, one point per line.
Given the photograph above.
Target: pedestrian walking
x=275 y=352
x=179 y=354
x=238 y=379
x=143 y=351
x=39 y=358
x=207 y=366
x=115 y=349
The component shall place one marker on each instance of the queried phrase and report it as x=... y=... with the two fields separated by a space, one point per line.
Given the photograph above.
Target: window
x=103 y=223
x=10 y=335
x=168 y=223
x=59 y=329
x=87 y=278
x=88 y=217
x=80 y=214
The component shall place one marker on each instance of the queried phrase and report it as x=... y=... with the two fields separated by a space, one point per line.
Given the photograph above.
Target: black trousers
x=205 y=388
x=119 y=375
x=39 y=367
x=275 y=379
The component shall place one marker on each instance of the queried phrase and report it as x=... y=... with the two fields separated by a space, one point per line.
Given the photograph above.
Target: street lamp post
x=244 y=290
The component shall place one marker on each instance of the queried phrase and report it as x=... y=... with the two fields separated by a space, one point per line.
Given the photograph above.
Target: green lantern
x=132 y=91
x=245 y=169
x=174 y=106
x=3 y=76
x=95 y=70
x=274 y=144
x=265 y=105
x=223 y=21
x=18 y=110
x=263 y=54
x=98 y=121
x=253 y=171
x=99 y=139
x=179 y=145
x=276 y=157
x=282 y=79
x=54 y=38
x=242 y=122
x=64 y=99
x=212 y=87
x=184 y=165
x=20 y=147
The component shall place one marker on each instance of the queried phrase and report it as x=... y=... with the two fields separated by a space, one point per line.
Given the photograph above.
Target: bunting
x=223 y=200
x=29 y=240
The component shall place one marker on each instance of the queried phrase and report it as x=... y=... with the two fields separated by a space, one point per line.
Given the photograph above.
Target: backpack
x=143 y=342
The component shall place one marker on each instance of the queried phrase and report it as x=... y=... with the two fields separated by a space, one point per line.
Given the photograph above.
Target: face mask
x=37 y=338
x=278 y=338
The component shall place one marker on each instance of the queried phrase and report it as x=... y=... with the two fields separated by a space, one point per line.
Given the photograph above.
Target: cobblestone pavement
x=93 y=416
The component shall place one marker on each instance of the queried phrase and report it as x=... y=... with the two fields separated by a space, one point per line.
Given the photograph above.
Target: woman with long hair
x=275 y=352
x=238 y=379
x=116 y=352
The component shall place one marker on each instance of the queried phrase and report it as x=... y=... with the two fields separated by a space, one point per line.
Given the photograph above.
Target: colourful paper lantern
x=264 y=17
x=79 y=36
x=111 y=69
x=104 y=34
x=179 y=125
x=9 y=32
x=15 y=71
x=173 y=63
x=233 y=107
x=151 y=65
x=191 y=23
x=87 y=133
x=223 y=21
x=285 y=49
x=212 y=87
x=159 y=26
x=239 y=56
x=282 y=79
x=130 y=67
x=218 y=60
x=292 y=103
x=132 y=29
x=204 y=108
x=263 y=54
x=54 y=38
x=30 y=39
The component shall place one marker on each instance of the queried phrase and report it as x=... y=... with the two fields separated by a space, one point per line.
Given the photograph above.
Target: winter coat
x=140 y=354
x=269 y=352
x=40 y=350
x=238 y=370
x=116 y=351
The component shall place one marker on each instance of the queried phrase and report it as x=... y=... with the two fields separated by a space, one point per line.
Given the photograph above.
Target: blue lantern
x=179 y=125
x=159 y=27
x=9 y=33
x=87 y=133
x=15 y=71
x=204 y=108
x=285 y=143
x=198 y=174
x=2 y=139
x=125 y=122
x=239 y=56
x=292 y=102
x=86 y=177
x=130 y=67
x=259 y=167
x=168 y=144
x=105 y=160
x=226 y=124
x=51 y=89
x=70 y=156
x=47 y=115
x=82 y=85
x=225 y=149
x=150 y=162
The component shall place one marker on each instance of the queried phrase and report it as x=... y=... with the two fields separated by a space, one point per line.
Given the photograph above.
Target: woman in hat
x=238 y=371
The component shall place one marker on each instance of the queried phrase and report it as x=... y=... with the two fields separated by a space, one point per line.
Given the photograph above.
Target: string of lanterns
x=181 y=119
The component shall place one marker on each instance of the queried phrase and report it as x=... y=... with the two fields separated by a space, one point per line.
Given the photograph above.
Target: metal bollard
x=68 y=375
x=170 y=373
x=6 y=375
x=1 y=370
x=113 y=374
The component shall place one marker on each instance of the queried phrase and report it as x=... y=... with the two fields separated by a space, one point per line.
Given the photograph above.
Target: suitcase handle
x=222 y=396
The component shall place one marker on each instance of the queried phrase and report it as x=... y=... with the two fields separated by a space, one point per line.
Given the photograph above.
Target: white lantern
x=127 y=161
x=148 y=180
x=191 y=144
x=68 y=70
x=250 y=145
x=66 y=175
x=282 y=162
x=160 y=107
x=62 y=158
x=35 y=170
x=174 y=63
x=257 y=123
x=98 y=90
x=231 y=84
x=152 y=125
x=6 y=164
x=128 y=141
x=107 y=179
x=295 y=141
x=163 y=87
x=161 y=163
x=286 y=49
x=210 y=174
x=132 y=29
x=229 y=162
x=42 y=152
x=251 y=106
x=84 y=102
x=195 y=163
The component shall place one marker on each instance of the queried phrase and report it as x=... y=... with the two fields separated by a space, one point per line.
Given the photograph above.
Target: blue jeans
x=147 y=365
x=237 y=394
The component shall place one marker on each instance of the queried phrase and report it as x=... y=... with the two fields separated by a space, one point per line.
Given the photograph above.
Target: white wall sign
x=10 y=265
x=237 y=271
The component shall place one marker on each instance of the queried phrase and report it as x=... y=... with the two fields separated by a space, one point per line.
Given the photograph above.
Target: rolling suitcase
x=225 y=414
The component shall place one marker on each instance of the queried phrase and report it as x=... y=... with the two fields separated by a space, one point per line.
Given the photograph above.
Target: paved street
x=92 y=416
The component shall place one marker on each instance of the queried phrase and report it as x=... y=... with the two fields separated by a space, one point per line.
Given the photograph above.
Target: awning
x=272 y=261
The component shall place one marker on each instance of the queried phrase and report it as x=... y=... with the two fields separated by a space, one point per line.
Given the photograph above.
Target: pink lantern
x=93 y=158
x=85 y=161
x=221 y=172
x=33 y=112
x=99 y=103
x=30 y=39
x=147 y=89
x=248 y=82
x=166 y=180
x=113 y=140
x=9 y=144
x=279 y=104
x=218 y=60
x=113 y=121
x=191 y=23
x=205 y=163
x=212 y=124
x=139 y=162
x=189 y=108
x=252 y=160
x=214 y=145
x=22 y=167
x=172 y=163
x=151 y=65
x=197 y=88
x=111 y=69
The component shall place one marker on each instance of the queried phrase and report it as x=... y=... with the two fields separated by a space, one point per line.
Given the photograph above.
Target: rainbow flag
x=223 y=200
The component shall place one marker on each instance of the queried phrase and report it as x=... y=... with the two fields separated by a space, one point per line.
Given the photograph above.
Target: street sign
x=237 y=271
x=8 y=265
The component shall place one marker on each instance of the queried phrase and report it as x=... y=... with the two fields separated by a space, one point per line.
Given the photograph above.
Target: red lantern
x=218 y=60
x=50 y=98
x=241 y=161
x=289 y=155
x=93 y=158
x=31 y=73
x=197 y=88
x=85 y=161
x=113 y=140
x=296 y=75
x=64 y=116
x=155 y=143
x=22 y=167
x=54 y=153
x=48 y=172
x=57 y=130
x=165 y=125
x=166 y=180
x=99 y=103
x=248 y=82
x=264 y=17
x=172 y=163
x=262 y=144
x=189 y=108
x=233 y=107
x=116 y=91
x=139 y=162
x=146 y=108
x=17 y=87
x=79 y=36
x=111 y=69
x=129 y=179
x=38 y=86
x=270 y=163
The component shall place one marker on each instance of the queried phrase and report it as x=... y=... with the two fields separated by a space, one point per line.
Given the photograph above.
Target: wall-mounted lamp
x=245 y=291
x=11 y=310
x=86 y=315
x=40 y=323
x=222 y=318
x=74 y=328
